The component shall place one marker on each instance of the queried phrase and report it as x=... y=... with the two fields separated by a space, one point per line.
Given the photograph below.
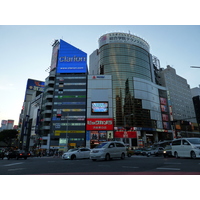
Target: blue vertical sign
x=71 y=59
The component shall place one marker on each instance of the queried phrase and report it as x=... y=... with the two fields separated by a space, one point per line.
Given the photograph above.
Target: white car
x=108 y=150
x=76 y=154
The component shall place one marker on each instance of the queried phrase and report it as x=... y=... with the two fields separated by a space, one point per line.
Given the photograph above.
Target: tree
x=7 y=136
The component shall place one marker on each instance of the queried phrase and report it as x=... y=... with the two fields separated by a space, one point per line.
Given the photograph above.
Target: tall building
x=64 y=102
x=33 y=89
x=137 y=98
x=180 y=94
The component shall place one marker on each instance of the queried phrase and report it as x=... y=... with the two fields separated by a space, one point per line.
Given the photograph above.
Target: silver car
x=108 y=150
x=76 y=153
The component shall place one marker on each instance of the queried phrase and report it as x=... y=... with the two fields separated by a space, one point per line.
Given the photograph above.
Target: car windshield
x=194 y=140
x=101 y=145
x=70 y=150
x=168 y=147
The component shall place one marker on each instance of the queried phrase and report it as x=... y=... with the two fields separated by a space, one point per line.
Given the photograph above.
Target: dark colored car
x=167 y=152
x=130 y=152
x=2 y=155
x=18 y=154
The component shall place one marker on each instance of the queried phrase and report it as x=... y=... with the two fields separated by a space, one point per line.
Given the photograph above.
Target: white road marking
x=13 y=164
x=16 y=169
x=163 y=168
x=129 y=167
x=172 y=163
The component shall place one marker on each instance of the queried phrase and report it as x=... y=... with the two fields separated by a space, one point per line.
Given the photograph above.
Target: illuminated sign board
x=35 y=85
x=99 y=124
x=99 y=108
x=71 y=59
x=118 y=37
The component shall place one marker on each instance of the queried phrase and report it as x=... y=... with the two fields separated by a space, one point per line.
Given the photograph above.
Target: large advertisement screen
x=99 y=107
x=71 y=59
x=35 y=85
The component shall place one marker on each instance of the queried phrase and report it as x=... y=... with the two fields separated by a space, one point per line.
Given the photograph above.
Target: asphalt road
x=135 y=165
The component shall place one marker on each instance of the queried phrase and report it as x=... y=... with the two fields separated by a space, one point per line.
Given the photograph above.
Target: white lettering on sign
x=72 y=59
x=97 y=122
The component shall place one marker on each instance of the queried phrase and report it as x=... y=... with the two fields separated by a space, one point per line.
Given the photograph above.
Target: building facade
x=136 y=96
x=100 y=122
x=64 y=103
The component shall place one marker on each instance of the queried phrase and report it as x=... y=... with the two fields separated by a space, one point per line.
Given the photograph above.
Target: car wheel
x=17 y=158
x=176 y=154
x=73 y=157
x=193 y=155
x=25 y=158
x=107 y=158
x=129 y=155
x=8 y=158
x=94 y=159
x=123 y=156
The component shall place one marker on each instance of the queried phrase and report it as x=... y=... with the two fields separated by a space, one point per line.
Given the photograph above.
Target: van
x=108 y=150
x=186 y=147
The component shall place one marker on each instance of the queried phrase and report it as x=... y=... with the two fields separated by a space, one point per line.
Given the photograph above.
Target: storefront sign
x=100 y=124
x=125 y=134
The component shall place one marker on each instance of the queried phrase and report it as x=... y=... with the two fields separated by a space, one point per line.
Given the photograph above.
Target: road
x=135 y=165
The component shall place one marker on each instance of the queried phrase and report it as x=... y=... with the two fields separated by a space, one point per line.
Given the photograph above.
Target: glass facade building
x=122 y=57
x=136 y=95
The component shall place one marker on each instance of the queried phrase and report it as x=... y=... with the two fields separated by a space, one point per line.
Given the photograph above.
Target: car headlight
x=164 y=152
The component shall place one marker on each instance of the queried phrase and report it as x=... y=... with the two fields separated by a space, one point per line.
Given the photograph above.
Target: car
x=130 y=152
x=2 y=154
x=155 y=151
x=108 y=150
x=76 y=153
x=18 y=154
x=167 y=152
x=186 y=147
x=145 y=150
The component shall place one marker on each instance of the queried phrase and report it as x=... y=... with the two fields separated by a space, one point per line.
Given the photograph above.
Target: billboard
x=35 y=85
x=71 y=59
x=99 y=124
x=99 y=107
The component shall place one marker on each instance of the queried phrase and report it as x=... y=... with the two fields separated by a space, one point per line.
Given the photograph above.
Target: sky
x=25 y=52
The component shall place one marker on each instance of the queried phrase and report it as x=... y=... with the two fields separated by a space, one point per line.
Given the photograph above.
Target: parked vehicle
x=155 y=151
x=130 y=152
x=167 y=152
x=18 y=154
x=108 y=150
x=76 y=153
x=186 y=147
x=2 y=154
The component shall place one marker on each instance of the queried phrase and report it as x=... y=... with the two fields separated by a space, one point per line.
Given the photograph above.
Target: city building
x=4 y=125
x=182 y=108
x=63 y=116
x=100 y=122
x=140 y=105
x=180 y=94
x=33 y=89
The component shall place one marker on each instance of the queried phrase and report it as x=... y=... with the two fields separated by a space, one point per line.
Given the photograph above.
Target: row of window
x=70 y=90
x=68 y=124
x=114 y=47
x=70 y=96
x=70 y=110
x=79 y=77
x=69 y=103
x=70 y=83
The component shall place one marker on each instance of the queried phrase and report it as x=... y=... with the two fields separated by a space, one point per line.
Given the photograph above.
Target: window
x=119 y=145
x=111 y=145
x=176 y=142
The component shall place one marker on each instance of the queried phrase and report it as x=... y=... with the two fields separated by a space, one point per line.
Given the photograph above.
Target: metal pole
x=67 y=133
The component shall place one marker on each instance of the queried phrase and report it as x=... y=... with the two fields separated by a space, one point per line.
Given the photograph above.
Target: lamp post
x=67 y=132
